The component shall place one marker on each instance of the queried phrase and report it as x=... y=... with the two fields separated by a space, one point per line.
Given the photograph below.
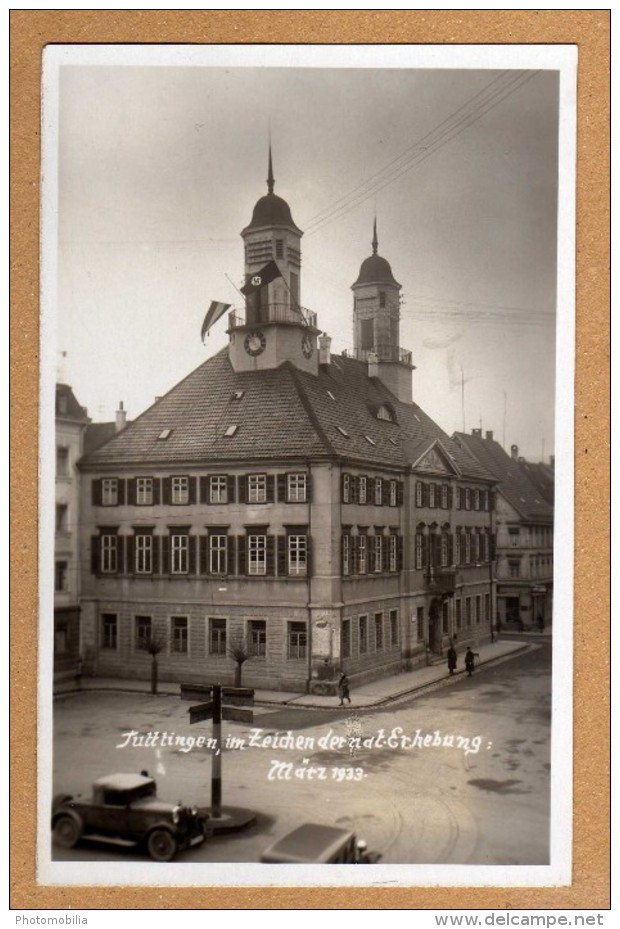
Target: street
x=456 y=776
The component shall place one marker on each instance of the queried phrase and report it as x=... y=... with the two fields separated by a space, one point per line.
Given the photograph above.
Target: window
x=218 y=488
x=60 y=576
x=485 y=547
x=230 y=430
x=485 y=499
x=444 y=617
x=180 y=490
x=476 y=499
x=164 y=434
x=297 y=641
x=444 y=496
x=418 y=493
x=459 y=618
x=443 y=550
x=468 y=611
x=467 y=548
x=109 y=491
x=487 y=607
x=179 y=638
x=378 y=631
x=346 y=488
x=179 y=550
x=382 y=298
x=393 y=493
x=144 y=491
x=296 y=488
x=514 y=567
x=62 y=461
x=431 y=495
x=109 y=630
x=378 y=554
x=378 y=492
x=362 y=490
x=457 y=548
x=109 y=553
x=257 y=488
x=467 y=498
x=297 y=554
x=217 y=637
x=345 y=639
x=478 y=609
x=144 y=554
x=218 y=554
x=143 y=632
x=346 y=554
x=279 y=248
x=394 y=627
x=258 y=637
x=62 y=511
x=363 y=627
x=257 y=554
x=420 y=622
x=419 y=551
x=513 y=535
x=385 y=413
x=393 y=553
x=362 y=552
x=367 y=334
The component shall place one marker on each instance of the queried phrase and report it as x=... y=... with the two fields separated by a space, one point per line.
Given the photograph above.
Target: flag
x=265 y=276
x=213 y=314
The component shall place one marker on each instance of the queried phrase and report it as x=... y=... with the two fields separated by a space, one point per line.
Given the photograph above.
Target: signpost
x=231 y=703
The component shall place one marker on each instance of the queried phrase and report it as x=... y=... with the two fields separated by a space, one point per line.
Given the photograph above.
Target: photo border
x=589 y=30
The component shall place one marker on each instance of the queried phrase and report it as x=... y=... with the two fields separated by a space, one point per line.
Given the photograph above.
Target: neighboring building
x=71 y=421
x=524 y=536
x=540 y=474
x=293 y=503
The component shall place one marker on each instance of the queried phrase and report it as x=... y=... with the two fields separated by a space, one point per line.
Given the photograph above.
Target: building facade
x=286 y=503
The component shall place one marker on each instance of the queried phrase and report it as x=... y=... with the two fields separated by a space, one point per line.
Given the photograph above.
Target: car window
x=114 y=798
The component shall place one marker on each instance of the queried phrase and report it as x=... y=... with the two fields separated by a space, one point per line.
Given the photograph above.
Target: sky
x=158 y=172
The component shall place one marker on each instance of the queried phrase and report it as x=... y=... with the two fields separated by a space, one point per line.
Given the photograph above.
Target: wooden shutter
x=270 y=490
x=353 y=556
x=192 y=545
x=96 y=491
x=157 y=569
x=165 y=552
x=192 y=483
x=399 y=493
x=386 y=553
x=167 y=490
x=203 y=554
x=450 y=549
x=242 y=550
x=399 y=553
x=308 y=488
x=282 y=541
x=95 y=554
x=120 y=483
x=242 y=487
x=204 y=490
x=309 y=556
x=425 y=494
x=131 y=491
x=131 y=554
x=343 y=477
x=230 y=554
x=230 y=478
x=120 y=554
x=281 y=487
x=270 y=567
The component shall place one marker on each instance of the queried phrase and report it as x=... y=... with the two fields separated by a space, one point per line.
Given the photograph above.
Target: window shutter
x=230 y=554
x=204 y=489
x=370 y=490
x=450 y=497
x=192 y=489
x=281 y=555
x=131 y=554
x=131 y=491
x=95 y=556
x=342 y=544
x=343 y=477
x=386 y=554
x=120 y=554
x=425 y=495
x=399 y=493
x=242 y=543
x=167 y=491
x=270 y=488
x=353 y=559
x=242 y=496
x=450 y=549
x=156 y=551
x=121 y=491
x=309 y=556
x=96 y=492
x=203 y=554
x=165 y=552
x=399 y=553
x=355 y=489
x=308 y=488
x=156 y=491
x=270 y=568
x=231 y=487
x=281 y=485
x=192 y=545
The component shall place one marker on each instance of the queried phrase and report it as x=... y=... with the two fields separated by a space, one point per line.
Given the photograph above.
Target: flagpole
x=234 y=285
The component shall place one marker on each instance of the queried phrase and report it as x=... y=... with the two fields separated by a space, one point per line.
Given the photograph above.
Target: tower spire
x=270 y=178
x=375 y=241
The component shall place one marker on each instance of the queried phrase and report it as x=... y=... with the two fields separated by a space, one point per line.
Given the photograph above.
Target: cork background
x=30 y=31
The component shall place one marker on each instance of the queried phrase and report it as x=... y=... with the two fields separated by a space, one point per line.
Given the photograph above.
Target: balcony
x=440 y=580
x=272 y=313
x=389 y=353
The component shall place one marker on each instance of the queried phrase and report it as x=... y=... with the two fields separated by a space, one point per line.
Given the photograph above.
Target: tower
x=376 y=323
x=276 y=328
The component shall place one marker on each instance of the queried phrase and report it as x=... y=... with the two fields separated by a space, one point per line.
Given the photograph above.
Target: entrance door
x=512 y=610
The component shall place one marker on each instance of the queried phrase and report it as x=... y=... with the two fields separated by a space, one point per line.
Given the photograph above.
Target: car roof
x=310 y=842
x=122 y=781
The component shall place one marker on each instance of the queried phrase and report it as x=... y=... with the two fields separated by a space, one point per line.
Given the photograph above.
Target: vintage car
x=124 y=810
x=316 y=844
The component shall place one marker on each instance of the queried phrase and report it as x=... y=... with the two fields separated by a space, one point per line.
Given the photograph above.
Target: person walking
x=469 y=661
x=343 y=689
x=451 y=659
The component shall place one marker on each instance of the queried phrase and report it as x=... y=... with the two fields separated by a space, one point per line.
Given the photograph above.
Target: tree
x=240 y=650
x=157 y=643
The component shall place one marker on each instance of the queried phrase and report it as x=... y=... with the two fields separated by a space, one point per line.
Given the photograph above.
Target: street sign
x=238 y=714
x=196 y=691
x=201 y=712
x=237 y=696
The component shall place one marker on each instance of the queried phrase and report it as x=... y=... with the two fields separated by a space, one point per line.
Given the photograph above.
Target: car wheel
x=67 y=831
x=162 y=845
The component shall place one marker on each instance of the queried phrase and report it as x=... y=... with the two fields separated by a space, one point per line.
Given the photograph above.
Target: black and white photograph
x=306 y=408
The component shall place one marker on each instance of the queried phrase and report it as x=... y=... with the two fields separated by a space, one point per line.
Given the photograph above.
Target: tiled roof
x=96 y=434
x=283 y=413
x=541 y=476
x=514 y=483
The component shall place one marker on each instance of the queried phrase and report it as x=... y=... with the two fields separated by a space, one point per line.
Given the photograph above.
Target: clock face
x=306 y=346
x=255 y=343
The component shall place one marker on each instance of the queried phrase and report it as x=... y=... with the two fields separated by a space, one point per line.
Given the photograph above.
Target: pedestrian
x=541 y=623
x=452 y=659
x=469 y=660
x=343 y=689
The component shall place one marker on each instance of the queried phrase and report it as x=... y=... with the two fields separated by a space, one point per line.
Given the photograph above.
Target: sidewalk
x=374 y=693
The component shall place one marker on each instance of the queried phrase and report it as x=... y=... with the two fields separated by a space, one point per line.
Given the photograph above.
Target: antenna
x=504 y=423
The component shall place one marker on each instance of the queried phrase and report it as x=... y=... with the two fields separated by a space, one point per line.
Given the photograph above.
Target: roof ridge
x=305 y=402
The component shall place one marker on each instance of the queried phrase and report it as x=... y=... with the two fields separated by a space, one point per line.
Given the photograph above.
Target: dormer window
x=230 y=430
x=164 y=434
x=238 y=394
x=386 y=413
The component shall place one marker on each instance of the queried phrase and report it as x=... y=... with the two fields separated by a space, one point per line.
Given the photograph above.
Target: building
x=286 y=502
x=524 y=536
x=71 y=422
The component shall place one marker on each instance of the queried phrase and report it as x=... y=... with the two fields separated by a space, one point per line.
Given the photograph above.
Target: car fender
x=67 y=811
x=59 y=800
x=163 y=824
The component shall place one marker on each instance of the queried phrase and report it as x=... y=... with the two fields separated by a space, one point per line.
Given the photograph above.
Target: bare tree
x=240 y=650
x=157 y=644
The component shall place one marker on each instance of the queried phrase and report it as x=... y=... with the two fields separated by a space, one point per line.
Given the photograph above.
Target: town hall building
x=286 y=500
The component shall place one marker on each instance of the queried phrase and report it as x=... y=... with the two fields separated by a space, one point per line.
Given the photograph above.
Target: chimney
x=325 y=355
x=477 y=432
x=373 y=364
x=514 y=452
x=489 y=435
x=121 y=417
